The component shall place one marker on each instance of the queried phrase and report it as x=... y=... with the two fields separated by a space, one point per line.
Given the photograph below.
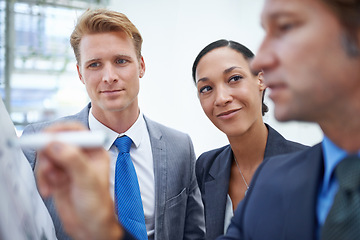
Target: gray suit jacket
x=213 y=174
x=179 y=212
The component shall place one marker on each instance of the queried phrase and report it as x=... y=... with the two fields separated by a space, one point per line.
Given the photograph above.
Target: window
x=43 y=82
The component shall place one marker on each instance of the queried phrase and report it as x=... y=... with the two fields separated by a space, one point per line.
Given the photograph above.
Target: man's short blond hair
x=103 y=21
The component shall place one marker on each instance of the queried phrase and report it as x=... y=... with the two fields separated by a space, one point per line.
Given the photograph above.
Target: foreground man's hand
x=78 y=180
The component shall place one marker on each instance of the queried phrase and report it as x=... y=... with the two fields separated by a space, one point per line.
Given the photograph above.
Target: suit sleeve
x=195 y=221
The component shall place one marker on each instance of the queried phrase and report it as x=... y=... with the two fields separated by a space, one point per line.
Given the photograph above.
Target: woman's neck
x=249 y=148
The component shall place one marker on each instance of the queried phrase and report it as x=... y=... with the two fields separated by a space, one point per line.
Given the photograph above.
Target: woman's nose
x=223 y=96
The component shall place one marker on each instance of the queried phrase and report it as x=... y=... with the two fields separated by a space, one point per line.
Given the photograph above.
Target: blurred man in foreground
x=310 y=56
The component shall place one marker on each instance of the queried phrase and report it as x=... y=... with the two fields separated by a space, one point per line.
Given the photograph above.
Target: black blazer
x=213 y=175
x=281 y=203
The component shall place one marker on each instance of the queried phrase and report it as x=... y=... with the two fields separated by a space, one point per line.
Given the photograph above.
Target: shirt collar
x=134 y=132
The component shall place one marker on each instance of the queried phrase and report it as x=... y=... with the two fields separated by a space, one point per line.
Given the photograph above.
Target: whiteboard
x=23 y=214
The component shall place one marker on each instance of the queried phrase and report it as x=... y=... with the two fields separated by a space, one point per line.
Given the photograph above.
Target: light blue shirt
x=329 y=187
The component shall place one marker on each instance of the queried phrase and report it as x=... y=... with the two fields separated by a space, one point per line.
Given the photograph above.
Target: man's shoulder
x=277 y=144
x=81 y=116
x=30 y=153
x=289 y=183
x=283 y=162
x=156 y=128
x=38 y=126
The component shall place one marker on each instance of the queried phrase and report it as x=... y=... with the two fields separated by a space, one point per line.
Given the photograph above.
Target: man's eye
x=205 y=89
x=286 y=27
x=94 y=65
x=121 y=61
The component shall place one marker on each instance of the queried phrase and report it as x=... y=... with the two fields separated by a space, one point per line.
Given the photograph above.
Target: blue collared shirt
x=329 y=187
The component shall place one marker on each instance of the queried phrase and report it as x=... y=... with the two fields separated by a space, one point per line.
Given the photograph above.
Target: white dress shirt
x=142 y=158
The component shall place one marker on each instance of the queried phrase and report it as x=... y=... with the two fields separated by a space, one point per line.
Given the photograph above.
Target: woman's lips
x=228 y=114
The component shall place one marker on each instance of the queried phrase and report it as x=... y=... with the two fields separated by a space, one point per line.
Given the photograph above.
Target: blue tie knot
x=123 y=144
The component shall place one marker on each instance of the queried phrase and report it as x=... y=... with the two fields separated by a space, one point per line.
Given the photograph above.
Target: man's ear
x=79 y=73
x=260 y=77
x=142 y=67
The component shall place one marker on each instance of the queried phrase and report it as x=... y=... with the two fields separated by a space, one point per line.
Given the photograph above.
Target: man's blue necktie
x=128 y=201
x=343 y=220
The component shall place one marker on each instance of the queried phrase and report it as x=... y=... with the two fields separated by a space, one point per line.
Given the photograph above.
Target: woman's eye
x=121 y=61
x=235 y=78
x=205 y=89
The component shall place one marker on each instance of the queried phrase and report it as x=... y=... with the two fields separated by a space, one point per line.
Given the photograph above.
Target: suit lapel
x=83 y=116
x=301 y=195
x=159 y=152
x=216 y=190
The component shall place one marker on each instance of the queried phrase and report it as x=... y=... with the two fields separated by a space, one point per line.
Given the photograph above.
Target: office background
x=44 y=82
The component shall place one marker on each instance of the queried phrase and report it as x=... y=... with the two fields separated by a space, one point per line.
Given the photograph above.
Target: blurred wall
x=174 y=31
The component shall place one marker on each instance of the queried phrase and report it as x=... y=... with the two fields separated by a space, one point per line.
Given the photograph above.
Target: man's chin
x=111 y=108
x=282 y=115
